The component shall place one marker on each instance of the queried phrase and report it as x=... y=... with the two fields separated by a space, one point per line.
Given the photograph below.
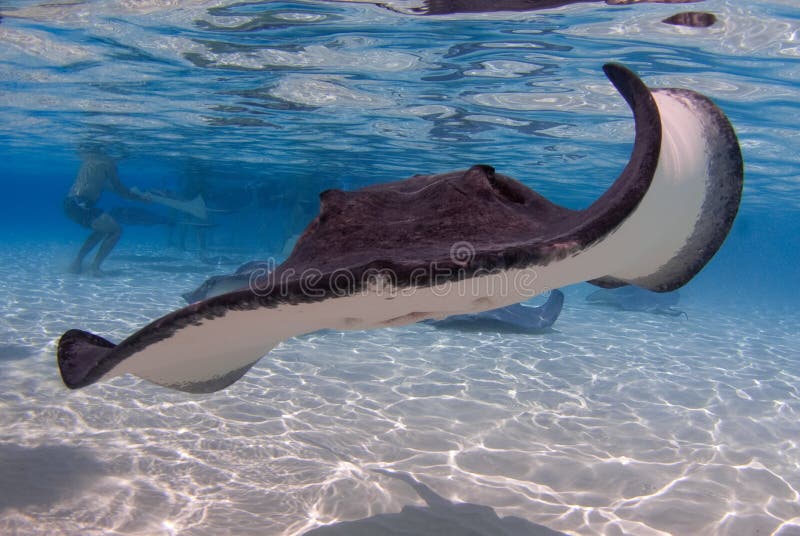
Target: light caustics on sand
x=432 y=246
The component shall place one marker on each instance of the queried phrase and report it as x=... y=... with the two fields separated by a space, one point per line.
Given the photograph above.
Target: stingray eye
x=331 y=201
x=506 y=190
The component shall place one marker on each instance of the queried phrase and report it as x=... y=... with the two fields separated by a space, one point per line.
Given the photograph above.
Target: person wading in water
x=98 y=173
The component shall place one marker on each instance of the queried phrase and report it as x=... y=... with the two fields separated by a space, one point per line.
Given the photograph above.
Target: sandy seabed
x=610 y=423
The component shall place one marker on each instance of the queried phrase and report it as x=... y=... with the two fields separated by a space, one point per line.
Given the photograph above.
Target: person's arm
x=128 y=193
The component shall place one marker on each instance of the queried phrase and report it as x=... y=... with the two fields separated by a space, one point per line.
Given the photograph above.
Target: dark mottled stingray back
x=406 y=225
x=410 y=221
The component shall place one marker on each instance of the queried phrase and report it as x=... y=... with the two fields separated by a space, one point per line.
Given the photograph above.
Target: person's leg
x=111 y=231
x=77 y=265
x=182 y=236
x=201 y=239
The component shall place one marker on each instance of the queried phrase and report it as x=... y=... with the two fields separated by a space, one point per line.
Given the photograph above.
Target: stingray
x=630 y=298
x=466 y=241
x=222 y=284
x=515 y=318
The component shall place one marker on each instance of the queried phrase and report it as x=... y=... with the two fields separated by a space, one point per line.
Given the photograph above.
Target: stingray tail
x=79 y=354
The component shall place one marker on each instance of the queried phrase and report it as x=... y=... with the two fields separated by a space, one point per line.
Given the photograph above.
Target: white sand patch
x=614 y=421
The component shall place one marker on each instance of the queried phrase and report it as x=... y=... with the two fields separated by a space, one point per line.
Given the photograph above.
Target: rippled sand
x=611 y=423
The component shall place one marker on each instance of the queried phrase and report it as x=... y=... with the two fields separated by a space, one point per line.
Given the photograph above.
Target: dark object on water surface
x=461 y=242
x=512 y=318
x=693 y=19
x=449 y=7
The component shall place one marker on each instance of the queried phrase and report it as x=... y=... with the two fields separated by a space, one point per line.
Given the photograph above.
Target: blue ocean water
x=614 y=422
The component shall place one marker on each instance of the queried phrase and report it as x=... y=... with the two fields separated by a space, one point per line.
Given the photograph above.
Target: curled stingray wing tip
x=723 y=183
x=700 y=178
x=80 y=357
x=84 y=358
x=626 y=81
x=622 y=198
x=615 y=70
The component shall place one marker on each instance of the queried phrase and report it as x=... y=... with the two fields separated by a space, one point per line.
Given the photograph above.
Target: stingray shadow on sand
x=37 y=478
x=439 y=516
x=16 y=351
